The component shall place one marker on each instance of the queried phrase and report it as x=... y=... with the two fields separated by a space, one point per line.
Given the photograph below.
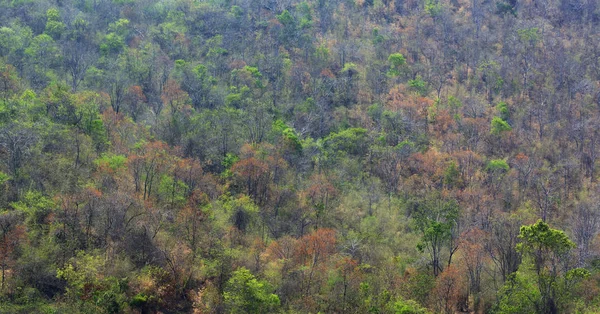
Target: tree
x=244 y=293
x=396 y=61
x=586 y=225
x=437 y=221
x=449 y=290
x=11 y=234
x=17 y=142
x=502 y=246
x=547 y=250
x=54 y=25
x=313 y=251
x=8 y=82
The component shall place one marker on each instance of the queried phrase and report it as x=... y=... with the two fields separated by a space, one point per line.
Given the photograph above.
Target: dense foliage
x=285 y=156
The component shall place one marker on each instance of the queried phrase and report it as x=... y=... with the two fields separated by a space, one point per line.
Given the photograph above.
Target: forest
x=286 y=156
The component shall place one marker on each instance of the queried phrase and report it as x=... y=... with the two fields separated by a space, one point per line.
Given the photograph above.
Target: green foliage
x=112 y=44
x=102 y=294
x=436 y=220
x=42 y=46
x=418 y=85
x=97 y=132
x=236 y=11
x=502 y=108
x=351 y=140
x=244 y=293
x=285 y=18
x=350 y=69
x=172 y=142
x=452 y=175
x=499 y=126
x=229 y=160
x=433 y=7
x=402 y=306
x=539 y=238
x=544 y=247
x=377 y=37
x=253 y=71
x=396 y=61
x=172 y=191
x=120 y=27
x=36 y=208
x=4 y=178
x=517 y=295
x=288 y=133
x=242 y=212
x=497 y=165
x=454 y=103
x=529 y=35
x=54 y=25
x=112 y=162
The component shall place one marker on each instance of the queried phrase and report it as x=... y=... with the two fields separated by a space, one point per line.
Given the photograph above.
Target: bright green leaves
x=86 y=284
x=43 y=52
x=418 y=85
x=215 y=48
x=350 y=69
x=497 y=166
x=111 y=162
x=119 y=27
x=306 y=20
x=543 y=285
x=396 y=61
x=228 y=161
x=285 y=18
x=36 y=208
x=54 y=25
x=248 y=76
x=114 y=41
x=503 y=110
x=499 y=126
x=402 y=306
x=516 y=295
x=4 y=178
x=242 y=211
x=288 y=133
x=244 y=293
x=541 y=241
x=433 y=7
x=172 y=191
x=352 y=141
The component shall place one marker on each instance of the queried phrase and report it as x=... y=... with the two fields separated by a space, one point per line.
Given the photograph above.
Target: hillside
x=278 y=156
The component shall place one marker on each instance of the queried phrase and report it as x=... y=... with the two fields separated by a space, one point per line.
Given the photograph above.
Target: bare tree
x=16 y=142
x=585 y=225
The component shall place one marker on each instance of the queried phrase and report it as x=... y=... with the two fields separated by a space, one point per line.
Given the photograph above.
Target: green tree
x=437 y=220
x=88 y=287
x=396 y=61
x=546 y=250
x=499 y=126
x=246 y=294
x=54 y=25
x=402 y=306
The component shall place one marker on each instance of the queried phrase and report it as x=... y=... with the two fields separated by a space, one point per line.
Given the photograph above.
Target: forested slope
x=278 y=156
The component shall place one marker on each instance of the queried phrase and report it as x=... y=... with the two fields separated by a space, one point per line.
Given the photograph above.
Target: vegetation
x=367 y=156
